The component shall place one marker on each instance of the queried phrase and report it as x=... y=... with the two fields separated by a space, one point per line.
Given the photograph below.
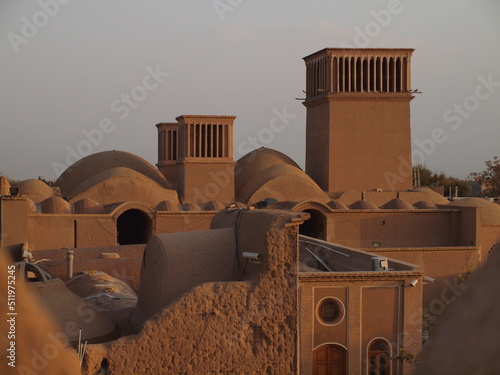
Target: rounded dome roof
x=107 y=175
x=122 y=184
x=87 y=206
x=490 y=212
x=335 y=204
x=363 y=205
x=397 y=204
x=55 y=205
x=425 y=205
x=102 y=161
x=282 y=182
x=35 y=190
x=167 y=206
x=434 y=197
x=32 y=208
x=4 y=186
x=257 y=161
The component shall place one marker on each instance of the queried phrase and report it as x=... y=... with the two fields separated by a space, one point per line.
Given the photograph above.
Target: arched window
x=379 y=358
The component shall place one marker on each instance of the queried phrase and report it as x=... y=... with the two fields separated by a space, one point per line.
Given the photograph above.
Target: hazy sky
x=69 y=67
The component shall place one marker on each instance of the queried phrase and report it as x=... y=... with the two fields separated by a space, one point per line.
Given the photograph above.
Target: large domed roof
x=121 y=184
x=433 y=197
x=282 y=182
x=490 y=212
x=102 y=161
x=256 y=161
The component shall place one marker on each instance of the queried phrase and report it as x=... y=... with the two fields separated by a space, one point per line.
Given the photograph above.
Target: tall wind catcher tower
x=358 y=118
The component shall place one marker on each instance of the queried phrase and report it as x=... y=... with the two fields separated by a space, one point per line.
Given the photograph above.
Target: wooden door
x=329 y=360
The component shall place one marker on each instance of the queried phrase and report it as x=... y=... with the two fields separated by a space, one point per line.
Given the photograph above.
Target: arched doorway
x=133 y=227
x=315 y=226
x=330 y=360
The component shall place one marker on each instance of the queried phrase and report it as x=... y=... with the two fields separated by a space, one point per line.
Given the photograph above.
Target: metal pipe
x=319 y=259
x=325 y=247
x=70 y=258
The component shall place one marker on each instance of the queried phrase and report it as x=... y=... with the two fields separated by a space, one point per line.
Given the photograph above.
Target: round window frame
x=339 y=318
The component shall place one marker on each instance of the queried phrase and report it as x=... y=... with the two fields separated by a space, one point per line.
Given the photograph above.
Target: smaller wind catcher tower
x=196 y=154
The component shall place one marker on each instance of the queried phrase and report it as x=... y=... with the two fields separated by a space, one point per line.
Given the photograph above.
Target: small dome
x=167 y=206
x=283 y=205
x=32 y=207
x=490 y=212
x=213 y=206
x=335 y=204
x=55 y=205
x=397 y=204
x=363 y=205
x=191 y=207
x=4 y=186
x=425 y=205
x=35 y=190
x=87 y=206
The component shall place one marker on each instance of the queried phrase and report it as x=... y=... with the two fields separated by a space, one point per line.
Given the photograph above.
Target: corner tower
x=358 y=118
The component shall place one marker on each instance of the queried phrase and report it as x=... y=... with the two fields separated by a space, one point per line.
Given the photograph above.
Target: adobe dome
x=87 y=206
x=434 y=197
x=213 y=206
x=4 y=186
x=282 y=182
x=55 y=205
x=257 y=161
x=337 y=205
x=102 y=161
x=397 y=204
x=32 y=208
x=167 y=206
x=122 y=184
x=363 y=205
x=490 y=212
x=425 y=205
x=35 y=190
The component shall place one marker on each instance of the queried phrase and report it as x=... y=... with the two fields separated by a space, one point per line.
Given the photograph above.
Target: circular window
x=330 y=311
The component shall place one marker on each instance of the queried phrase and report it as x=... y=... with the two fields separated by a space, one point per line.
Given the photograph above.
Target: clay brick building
x=334 y=314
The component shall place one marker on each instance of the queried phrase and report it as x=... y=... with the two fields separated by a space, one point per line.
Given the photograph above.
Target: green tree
x=490 y=177
x=429 y=178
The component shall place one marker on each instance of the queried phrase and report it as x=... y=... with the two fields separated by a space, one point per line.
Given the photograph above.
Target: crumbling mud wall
x=247 y=326
x=30 y=341
x=467 y=340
